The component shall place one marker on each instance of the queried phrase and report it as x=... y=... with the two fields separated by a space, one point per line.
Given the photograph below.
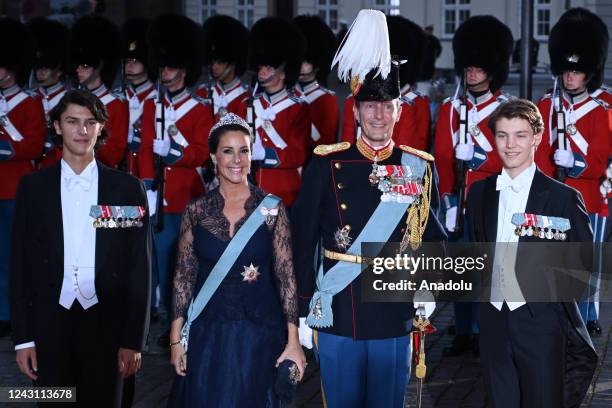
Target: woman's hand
x=293 y=351
x=178 y=358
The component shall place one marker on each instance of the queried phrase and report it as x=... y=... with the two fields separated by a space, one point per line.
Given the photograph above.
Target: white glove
x=451 y=219
x=564 y=158
x=464 y=151
x=305 y=334
x=152 y=200
x=425 y=298
x=259 y=153
x=161 y=147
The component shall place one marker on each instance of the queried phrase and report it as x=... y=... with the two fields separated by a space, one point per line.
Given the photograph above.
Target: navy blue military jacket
x=336 y=192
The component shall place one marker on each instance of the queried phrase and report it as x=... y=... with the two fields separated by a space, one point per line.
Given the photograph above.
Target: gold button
x=340 y=186
x=337 y=165
x=343 y=206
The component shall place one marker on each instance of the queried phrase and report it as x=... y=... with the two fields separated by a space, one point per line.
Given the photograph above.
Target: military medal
x=172 y=130
x=112 y=223
x=342 y=238
x=270 y=214
x=250 y=273
x=572 y=129
x=474 y=130
x=267 y=124
x=4 y=121
x=540 y=226
x=549 y=234
x=317 y=311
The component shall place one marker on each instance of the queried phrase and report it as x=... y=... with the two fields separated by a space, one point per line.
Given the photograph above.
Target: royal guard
x=22 y=135
x=225 y=53
x=96 y=55
x=320 y=48
x=464 y=144
x=282 y=120
x=576 y=141
x=51 y=60
x=414 y=127
x=174 y=147
x=138 y=86
x=369 y=191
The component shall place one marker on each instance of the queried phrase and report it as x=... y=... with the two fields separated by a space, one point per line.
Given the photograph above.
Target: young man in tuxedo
x=532 y=354
x=80 y=305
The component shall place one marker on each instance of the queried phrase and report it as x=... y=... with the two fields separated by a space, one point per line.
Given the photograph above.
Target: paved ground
x=451 y=382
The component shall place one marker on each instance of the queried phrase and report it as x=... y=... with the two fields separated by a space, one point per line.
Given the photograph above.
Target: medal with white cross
x=250 y=273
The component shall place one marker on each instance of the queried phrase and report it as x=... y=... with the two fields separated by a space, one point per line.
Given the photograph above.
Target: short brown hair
x=86 y=99
x=518 y=108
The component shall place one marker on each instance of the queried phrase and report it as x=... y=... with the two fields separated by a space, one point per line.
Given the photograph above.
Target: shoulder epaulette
x=203 y=101
x=448 y=99
x=30 y=92
x=298 y=99
x=419 y=93
x=117 y=94
x=324 y=150
x=416 y=152
x=601 y=102
x=327 y=90
x=504 y=96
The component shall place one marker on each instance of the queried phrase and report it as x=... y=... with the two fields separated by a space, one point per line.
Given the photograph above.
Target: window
x=328 y=11
x=245 y=11
x=454 y=12
x=389 y=7
x=541 y=19
x=209 y=9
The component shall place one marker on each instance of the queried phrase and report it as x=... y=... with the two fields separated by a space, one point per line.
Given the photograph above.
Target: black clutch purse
x=287 y=378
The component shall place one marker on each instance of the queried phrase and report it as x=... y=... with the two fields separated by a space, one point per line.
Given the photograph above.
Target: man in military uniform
x=320 y=47
x=225 y=53
x=282 y=121
x=578 y=156
x=174 y=130
x=363 y=348
x=482 y=46
x=22 y=133
x=51 y=39
x=95 y=54
x=414 y=127
x=139 y=86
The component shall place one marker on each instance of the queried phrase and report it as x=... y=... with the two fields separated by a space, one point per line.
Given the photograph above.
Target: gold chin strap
x=418 y=214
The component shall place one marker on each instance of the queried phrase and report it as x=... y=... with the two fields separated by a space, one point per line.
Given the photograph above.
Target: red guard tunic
x=324 y=112
x=188 y=152
x=136 y=98
x=283 y=124
x=49 y=97
x=413 y=128
x=113 y=150
x=486 y=161
x=232 y=97
x=22 y=135
x=590 y=145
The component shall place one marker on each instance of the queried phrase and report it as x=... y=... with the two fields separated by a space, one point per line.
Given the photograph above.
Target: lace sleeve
x=283 y=266
x=186 y=263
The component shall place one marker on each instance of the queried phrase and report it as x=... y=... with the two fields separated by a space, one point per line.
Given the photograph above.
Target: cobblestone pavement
x=451 y=382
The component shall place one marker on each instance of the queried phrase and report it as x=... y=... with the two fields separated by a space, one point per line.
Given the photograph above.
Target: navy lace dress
x=234 y=343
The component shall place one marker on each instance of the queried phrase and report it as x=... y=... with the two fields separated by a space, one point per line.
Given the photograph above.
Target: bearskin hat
x=134 y=40
x=484 y=42
x=51 y=41
x=321 y=44
x=96 y=41
x=275 y=41
x=16 y=52
x=175 y=41
x=226 y=39
x=407 y=40
x=579 y=42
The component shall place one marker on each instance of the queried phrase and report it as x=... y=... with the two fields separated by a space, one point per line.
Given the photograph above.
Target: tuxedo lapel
x=102 y=236
x=491 y=204
x=54 y=206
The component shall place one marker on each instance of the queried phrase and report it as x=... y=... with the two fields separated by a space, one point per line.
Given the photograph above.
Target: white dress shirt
x=78 y=193
x=513 y=195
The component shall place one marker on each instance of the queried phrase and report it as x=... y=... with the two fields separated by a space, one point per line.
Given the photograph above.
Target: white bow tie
x=75 y=179
x=504 y=181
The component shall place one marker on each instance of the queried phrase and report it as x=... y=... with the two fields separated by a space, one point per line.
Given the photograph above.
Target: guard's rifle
x=158 y=182
x=460 y=165
x=251 y=117
x=561 y=172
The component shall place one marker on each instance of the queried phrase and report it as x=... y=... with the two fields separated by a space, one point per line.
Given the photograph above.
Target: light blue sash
x=225 y=263
x=378 y=229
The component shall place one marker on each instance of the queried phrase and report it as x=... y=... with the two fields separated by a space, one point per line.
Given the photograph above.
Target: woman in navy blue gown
x=250 y=323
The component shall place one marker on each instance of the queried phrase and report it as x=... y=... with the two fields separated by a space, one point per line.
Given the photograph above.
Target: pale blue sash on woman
x=225 y=263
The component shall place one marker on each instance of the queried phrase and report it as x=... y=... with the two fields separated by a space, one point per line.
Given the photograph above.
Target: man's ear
x=399 y=112
x=537 y=139
x=356 y=112
x=57 y=127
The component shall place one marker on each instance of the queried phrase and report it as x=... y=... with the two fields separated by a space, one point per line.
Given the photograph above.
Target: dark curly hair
x=87 y=100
